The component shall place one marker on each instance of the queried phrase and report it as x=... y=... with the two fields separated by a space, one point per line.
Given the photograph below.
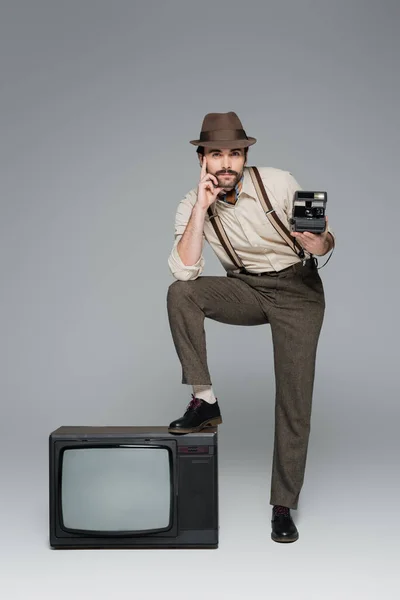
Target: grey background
x=98 y=103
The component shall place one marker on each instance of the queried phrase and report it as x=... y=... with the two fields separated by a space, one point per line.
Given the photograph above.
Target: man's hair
x=200 y=150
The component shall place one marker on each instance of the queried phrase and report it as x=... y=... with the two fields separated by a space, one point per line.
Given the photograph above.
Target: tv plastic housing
x=133 y=487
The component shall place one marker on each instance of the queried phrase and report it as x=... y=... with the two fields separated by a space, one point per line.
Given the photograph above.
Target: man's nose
x=226 y=162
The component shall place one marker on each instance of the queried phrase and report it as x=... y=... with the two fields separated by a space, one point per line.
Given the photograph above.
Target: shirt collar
x=244 y=186
x=232 y=196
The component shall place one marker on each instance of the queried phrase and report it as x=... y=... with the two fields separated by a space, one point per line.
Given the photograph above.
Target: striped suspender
x=223 y=238
x=270 y=213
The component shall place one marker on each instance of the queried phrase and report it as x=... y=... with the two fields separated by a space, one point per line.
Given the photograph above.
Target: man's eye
x=218 y=154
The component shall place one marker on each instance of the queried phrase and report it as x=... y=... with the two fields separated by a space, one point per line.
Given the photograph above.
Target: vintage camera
x=309 y=211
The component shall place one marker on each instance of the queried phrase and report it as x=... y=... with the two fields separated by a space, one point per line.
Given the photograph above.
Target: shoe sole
x=285 y=540
x=208 y=423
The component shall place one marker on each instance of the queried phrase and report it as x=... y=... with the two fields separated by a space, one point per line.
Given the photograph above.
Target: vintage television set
x=133 y=487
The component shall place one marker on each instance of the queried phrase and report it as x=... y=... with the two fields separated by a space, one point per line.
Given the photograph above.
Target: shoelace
x=193 y=404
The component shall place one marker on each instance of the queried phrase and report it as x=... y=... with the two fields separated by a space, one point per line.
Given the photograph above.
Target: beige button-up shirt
x=253 y=237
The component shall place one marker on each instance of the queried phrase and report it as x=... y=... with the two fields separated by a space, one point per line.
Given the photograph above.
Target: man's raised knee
x=178 y=290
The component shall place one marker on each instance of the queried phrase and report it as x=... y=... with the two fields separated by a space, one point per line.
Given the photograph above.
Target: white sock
x=205 y=392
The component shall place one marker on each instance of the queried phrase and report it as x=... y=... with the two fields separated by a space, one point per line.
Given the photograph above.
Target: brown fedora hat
x=223 y=129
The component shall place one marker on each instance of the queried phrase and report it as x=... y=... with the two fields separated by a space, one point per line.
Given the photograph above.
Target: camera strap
x=270 y=213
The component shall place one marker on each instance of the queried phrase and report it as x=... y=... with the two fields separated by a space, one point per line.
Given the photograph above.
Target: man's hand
x=206 y=192
x=315 y=243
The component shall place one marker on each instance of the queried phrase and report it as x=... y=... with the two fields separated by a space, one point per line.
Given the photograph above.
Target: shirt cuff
x=331 y=250
x=334 y=237
x=181 y=271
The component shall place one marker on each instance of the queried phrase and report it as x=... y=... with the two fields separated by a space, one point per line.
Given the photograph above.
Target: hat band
x=223 y=135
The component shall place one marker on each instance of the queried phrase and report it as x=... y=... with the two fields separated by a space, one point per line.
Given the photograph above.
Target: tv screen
x=116 y=489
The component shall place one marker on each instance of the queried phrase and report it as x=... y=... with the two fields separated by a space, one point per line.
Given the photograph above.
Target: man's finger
x=209 y=177
x=214 y=178
x=203 y=166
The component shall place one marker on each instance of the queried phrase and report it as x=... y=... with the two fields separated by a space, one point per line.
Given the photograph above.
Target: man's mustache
x=226 y=173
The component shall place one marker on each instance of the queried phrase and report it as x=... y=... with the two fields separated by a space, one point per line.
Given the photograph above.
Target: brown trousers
x=292 y=301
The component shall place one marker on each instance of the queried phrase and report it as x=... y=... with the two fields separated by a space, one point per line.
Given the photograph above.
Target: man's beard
x=230 y=182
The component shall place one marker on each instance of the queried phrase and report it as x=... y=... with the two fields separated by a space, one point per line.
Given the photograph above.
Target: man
x=276 y=284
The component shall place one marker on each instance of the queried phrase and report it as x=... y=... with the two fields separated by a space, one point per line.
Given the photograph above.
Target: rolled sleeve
x=181 y=271
x=178 y=269
x=330 y=230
